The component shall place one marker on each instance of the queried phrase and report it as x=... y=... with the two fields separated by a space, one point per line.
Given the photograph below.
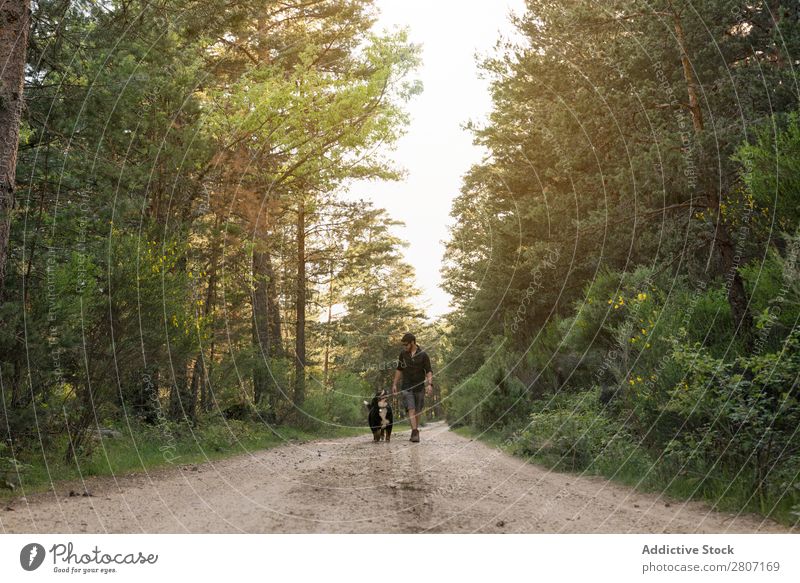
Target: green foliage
x=596 y=168
x=741 y=415
x=341 y=406
x=569 y=432
x=605 y=236
x=771 y=170
x=8 y=463
x=775 y=285
x=220 y=437
x=165 y=148
x=493 y=397
x=345 y=401
x=375 y=288
x=463 y=398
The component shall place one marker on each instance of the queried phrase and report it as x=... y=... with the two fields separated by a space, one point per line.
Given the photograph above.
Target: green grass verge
x=142 y=448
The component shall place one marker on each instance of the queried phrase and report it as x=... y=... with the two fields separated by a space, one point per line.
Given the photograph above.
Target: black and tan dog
x=380 y=416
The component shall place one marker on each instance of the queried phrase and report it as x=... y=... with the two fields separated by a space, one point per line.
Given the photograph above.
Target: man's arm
x=428 y=375
x=397 y=376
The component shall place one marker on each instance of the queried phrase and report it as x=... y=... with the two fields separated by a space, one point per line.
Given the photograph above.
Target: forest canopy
x=623 y=263
x=177 y=235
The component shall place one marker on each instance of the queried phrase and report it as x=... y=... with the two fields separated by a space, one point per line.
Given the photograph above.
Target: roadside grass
x=141 y=448
x=727 y=493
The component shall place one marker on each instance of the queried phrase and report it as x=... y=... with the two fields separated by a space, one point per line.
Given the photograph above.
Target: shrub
x=341 y=405
x=565 y=439
x=344 y=404
x=570 y=432
x=741 y=416
x=312 y=415
x=493 y=397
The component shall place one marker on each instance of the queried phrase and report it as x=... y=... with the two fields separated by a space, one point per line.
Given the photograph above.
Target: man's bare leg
x=412 y=418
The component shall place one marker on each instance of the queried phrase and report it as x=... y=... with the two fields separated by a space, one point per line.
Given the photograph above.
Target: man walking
x=414 y=368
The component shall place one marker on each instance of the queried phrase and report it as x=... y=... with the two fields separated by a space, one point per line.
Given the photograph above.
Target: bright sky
x=436 y=152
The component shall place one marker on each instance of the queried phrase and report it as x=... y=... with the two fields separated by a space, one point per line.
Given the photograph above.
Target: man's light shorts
x=413 y=399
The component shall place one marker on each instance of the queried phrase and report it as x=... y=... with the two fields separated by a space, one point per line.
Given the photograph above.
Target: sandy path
x=446 y=483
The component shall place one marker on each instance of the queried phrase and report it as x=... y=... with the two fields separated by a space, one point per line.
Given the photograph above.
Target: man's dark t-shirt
x=414 y=369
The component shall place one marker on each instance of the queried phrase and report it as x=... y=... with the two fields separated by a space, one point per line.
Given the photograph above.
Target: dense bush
x=341 y=405
x=675 y=404
x=569 y=431
x=655 y=261
x=344 y=403
x=741 y=416
x=494 y=396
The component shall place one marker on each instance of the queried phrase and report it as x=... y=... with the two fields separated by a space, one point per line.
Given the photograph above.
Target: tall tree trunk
x=201 y=380
x=276 y=393
x=300 y=332
x=326 y=365
x=203 y=365
x=437 y=401
x=266 y=329
x=688 y=73
x=198 y=380
x=737 y=295
x=145 y=398
x=14 y=27
x=273 y=312
x=182 y=404
x=723 y=243
x=200 y=377
x=260 y=327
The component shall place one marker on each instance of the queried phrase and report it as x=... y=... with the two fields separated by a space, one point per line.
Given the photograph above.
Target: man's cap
x=408 y=337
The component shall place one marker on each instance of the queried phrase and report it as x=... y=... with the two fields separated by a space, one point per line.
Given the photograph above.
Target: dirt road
x=446 y=483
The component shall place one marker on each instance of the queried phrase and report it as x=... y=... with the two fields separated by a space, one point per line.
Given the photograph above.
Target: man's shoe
x=415 y=435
